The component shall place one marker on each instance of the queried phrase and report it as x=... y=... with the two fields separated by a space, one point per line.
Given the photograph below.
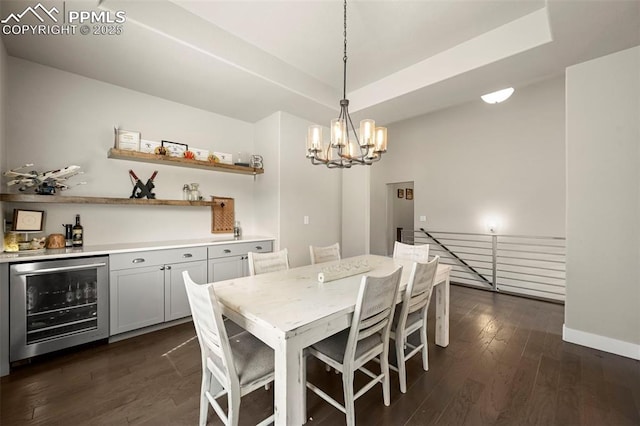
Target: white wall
x=603 y=203
x=476 y=161
x=356 y=210
x=57 y=118
x=292 y=188
x=266 y=189
x=306 y=190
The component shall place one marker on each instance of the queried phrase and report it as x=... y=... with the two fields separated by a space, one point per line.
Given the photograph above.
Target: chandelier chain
x=344 y=58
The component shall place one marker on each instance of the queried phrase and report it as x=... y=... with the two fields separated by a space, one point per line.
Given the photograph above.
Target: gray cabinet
x=176 y=303
x=137 y=298
x=230 y=261
x=147 y=287
x=226 y=268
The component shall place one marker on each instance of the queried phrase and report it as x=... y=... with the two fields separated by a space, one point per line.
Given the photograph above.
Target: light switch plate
x=423 y=218
x=306 y=220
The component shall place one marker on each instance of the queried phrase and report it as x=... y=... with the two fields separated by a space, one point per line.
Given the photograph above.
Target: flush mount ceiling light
x=497 y=97
x=345 y=148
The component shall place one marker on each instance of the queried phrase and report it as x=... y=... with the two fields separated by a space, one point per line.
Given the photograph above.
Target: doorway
x=400 y=218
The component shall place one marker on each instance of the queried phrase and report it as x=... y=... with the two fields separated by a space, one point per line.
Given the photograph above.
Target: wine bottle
x=77 y=232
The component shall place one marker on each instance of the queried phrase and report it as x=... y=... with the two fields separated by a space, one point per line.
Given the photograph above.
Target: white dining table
x=291 y=310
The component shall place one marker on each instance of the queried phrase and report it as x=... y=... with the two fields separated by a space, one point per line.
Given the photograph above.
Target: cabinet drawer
x=138 y=259
x=226 y=250
x=188 y=254
x=141 y=259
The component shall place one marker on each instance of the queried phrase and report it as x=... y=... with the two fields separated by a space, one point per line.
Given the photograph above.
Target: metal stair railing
x=525 y=265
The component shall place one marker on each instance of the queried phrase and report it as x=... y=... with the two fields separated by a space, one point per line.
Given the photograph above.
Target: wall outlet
x=423 y=218
x=306 y=220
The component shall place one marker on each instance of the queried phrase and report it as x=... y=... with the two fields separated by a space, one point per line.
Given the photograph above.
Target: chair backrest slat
x=374 y=309
x=418 y=302
x=324 y=254
x=418 y=253
x=212 y=342
x=373 y=324
x=261 y=263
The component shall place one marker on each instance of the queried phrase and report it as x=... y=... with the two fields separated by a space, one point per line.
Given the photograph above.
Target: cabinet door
x=227 y=268
x=245 y=266
x=137 y=298
x=176 y=301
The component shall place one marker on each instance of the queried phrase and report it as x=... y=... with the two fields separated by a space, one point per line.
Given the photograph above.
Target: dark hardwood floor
x=506 y=365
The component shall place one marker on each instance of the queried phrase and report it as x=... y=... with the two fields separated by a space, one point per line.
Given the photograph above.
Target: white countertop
x=106 y=249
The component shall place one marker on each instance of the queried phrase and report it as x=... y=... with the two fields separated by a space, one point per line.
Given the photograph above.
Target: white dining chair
x=411 y=316
x=418 y=253
x=367 y=339
x=261 y=263
x=233 y=367
x=324 y=254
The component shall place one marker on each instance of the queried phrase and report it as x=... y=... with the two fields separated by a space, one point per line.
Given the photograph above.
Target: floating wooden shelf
x=181 y=162
x=63 y=199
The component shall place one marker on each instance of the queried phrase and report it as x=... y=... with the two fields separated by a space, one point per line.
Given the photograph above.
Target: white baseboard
x=601 y=343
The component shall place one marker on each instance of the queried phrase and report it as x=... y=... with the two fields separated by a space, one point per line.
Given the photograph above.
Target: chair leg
x=384 y=366
x=204 y=402
x=233 y=412
x=425 y=347
x=349 y=402
x=402 y=370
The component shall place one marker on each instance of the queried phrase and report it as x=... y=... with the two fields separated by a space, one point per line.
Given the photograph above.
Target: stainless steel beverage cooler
x=57 y=304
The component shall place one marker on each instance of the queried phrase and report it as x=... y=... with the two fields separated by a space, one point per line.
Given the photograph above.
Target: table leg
x=289 y=382
x=442 y=313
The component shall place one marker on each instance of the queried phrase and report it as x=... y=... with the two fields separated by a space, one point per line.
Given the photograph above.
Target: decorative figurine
x=141 y=190
x=44 y=183
x=161 y=150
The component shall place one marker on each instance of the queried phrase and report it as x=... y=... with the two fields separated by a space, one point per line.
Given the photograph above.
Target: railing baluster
x=494 y=258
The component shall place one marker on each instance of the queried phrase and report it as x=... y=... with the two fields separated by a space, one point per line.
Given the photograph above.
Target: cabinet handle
x=169 y=267
x=227 y=251
x=162 y=268
x=258 y=247
x=187 y=255
x=137 y=260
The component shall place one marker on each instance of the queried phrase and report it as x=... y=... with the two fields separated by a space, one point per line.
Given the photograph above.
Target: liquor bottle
x=68 y=234
x=77 y=233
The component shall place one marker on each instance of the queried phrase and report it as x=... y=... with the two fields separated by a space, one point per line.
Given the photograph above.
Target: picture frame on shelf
x=28 y=220
x=175 y=149
x=400 y=193
x=223 y=157
x=201 y=154
x=127 y=140
x=409 y=193
x=148 y=147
